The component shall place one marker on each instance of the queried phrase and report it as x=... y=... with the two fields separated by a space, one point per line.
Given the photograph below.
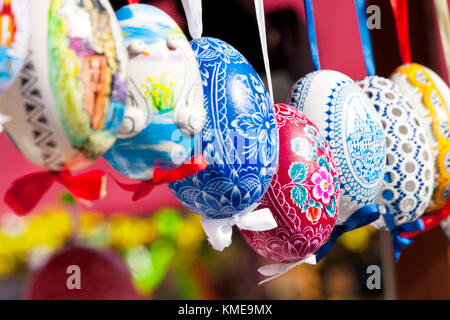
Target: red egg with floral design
x=304 y=193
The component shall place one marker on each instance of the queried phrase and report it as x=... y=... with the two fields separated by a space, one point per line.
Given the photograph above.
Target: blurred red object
x=103 y=276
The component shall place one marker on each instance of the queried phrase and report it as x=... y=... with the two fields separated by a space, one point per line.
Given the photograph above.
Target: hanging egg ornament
x=165 y=95
x=346 y=119
x=409 y=176
x=14 y=36
x=240 y=137
x=430 y=97
x=303 y=195
x=68 y=102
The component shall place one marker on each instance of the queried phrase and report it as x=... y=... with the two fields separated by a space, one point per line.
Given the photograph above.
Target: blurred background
x=159 y=249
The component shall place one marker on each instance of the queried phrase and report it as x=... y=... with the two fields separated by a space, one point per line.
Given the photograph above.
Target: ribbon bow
x=278 y=269
x=160 y=176
x=358 y=219
x=25 y=192
x=430 y=221
x=398 y=241
x=219 y=231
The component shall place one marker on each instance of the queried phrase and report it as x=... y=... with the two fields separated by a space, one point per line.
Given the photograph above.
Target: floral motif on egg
x=303 y=195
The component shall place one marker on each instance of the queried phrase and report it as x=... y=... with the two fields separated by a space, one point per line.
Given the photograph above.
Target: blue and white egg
x=346 y=118
x=408 y=181
x=165 y=95
x=240 y=137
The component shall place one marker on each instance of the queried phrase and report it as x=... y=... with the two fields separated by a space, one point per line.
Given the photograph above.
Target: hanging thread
x=312 y=33
x=259 y=8
x=364 y=33
x=194 y=16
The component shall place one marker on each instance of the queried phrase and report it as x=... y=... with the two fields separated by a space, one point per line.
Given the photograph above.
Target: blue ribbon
x=399 y=242
x=312 y=33
x=365 y=36
x=358 y=219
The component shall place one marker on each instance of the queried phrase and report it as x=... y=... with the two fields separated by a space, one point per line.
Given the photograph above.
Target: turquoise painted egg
x=165 y=95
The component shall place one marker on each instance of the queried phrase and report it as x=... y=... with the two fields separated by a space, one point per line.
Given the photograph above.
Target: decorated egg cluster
x=78 y=82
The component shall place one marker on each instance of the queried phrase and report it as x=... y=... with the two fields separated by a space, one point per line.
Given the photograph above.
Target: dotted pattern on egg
x=408 y=180
x=417 y=83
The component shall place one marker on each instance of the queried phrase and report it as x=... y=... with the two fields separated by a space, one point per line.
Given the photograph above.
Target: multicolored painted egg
x=303 y=195
x=240 y=137
x=409 y=176
x=14 y=36
x=346 y=118
x=430 y=97
x=69 y=98
x=165 y=95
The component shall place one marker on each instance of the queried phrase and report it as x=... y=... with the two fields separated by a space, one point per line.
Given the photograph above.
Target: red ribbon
x=133 y=1
x=25 y=192
x=430 y=221
x=400 y=9
x=160 y=176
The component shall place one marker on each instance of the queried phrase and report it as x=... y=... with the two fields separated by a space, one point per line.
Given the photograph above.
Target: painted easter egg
x=240 y=137
x=69 y=98
x=303 y=195
x=165 y=95
x=14 y=36
x=409 y=177
x=430 y=97
x=348 y=122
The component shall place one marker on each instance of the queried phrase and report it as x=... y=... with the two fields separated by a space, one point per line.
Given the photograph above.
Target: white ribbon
x=259 y=8
x=219 y=231
x=193 y=11
x=3 y=119
x=278 y=269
